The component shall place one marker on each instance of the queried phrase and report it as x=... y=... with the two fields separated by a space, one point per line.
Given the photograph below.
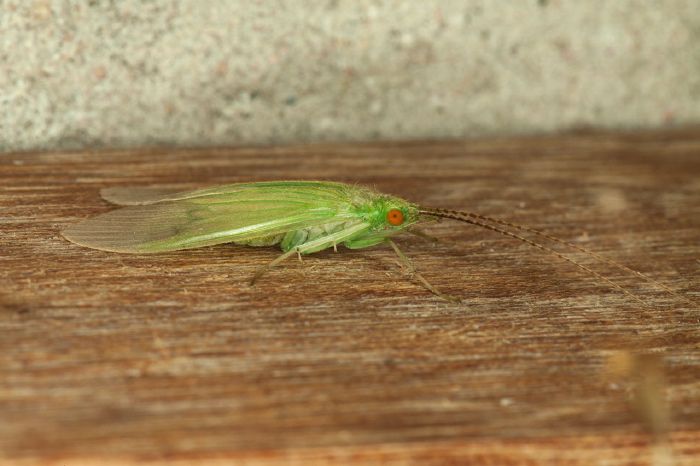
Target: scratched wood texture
x=345 y=358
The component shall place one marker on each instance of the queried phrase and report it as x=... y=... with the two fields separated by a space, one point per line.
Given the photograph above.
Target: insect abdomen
x=264 y=241
x=304 y=235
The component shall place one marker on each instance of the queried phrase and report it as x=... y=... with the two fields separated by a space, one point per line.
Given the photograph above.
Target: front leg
x=415 y=272
x=383 y=236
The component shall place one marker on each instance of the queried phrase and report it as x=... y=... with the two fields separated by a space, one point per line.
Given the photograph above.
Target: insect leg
x=418 y=275
x=317 y=244
x=420 y=234
x=261 y=271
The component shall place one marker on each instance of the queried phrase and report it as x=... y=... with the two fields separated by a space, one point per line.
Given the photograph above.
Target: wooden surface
x=344 y=358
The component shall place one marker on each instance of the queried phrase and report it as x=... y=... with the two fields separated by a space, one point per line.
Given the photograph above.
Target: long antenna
x=468 y=217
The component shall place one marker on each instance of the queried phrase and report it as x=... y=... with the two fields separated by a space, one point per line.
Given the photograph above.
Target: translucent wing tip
x=132 y=229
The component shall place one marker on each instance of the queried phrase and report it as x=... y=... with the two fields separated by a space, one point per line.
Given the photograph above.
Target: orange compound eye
x=394 y=217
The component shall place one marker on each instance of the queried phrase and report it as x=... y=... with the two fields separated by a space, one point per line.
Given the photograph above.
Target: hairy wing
x=142 y=196
x=212 y=216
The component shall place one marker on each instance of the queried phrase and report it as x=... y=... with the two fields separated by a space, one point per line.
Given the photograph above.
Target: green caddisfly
x=301 y=216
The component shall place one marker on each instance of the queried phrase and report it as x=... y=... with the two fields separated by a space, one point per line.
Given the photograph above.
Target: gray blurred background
x=99 y=73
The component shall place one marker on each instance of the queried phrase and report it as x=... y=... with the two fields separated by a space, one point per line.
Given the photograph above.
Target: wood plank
x=344 y=357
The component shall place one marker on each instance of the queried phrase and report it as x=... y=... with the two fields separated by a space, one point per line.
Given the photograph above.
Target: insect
x=303 y=217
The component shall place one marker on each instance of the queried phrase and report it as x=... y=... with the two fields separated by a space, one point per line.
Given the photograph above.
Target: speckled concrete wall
x=183 y=72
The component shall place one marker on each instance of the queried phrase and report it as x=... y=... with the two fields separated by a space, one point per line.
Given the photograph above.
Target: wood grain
x=343 y=357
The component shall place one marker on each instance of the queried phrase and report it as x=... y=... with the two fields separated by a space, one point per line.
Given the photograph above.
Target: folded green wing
x=243 y=212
